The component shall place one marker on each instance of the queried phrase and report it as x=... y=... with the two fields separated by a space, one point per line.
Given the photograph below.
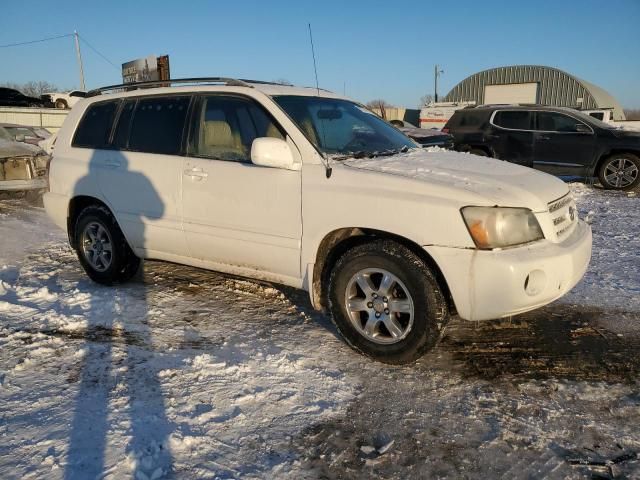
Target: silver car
x=23 y=167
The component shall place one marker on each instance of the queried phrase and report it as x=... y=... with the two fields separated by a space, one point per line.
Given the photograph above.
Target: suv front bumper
x=489 y=284
x=23 y=185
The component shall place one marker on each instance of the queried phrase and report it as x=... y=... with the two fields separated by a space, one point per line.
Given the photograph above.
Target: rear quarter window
x=94 y=128
x=472 y=118
x=513 y=119
x=467 y=119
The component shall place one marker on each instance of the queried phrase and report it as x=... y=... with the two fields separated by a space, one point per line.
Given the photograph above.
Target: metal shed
x=533 y=84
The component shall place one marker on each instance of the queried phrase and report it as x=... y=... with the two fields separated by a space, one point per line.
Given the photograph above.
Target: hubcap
x=379 y=306
x=97 y=246
x=621 y=172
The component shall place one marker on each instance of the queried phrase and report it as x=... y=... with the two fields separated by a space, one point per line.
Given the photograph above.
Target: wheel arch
x=467 y=147
x=337 y=242
x=76 y=205
x=610 y=153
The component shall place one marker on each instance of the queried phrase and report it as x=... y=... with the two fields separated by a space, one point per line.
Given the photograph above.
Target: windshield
x=337 y=126
x=26 y=132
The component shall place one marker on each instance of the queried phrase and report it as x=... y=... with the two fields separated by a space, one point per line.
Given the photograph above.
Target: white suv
x=303 y=187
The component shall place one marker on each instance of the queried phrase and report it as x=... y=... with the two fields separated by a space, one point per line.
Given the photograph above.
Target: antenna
x=327 y=167
x=313 y=54
x=79 y=55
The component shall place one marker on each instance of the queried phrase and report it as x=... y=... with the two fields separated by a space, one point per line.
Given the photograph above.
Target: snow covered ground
x=190 y=374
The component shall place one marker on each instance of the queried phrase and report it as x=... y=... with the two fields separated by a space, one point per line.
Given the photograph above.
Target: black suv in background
x=13 y=98
x=556 y=140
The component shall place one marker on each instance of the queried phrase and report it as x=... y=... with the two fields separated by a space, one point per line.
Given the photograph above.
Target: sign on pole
x=146 y=69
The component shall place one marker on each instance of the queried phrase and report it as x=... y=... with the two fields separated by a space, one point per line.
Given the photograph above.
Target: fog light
x=535 y=282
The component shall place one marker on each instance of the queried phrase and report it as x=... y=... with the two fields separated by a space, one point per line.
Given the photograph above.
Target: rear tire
x=620 y=172
x=61 y=104
x=410 y=302
x=101 y=247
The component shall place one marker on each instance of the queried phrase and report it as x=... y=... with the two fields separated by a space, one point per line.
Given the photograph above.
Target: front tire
x=386 y=302
x=478 y=151
x=620 y=172
x=61 y=104
x=102 y=248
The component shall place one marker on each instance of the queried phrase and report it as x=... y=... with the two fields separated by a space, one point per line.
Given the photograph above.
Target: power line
x=36 y=41
x=96 y=51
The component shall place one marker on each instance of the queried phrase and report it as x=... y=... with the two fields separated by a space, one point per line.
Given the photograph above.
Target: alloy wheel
x=97 y=247
x=379 y=306
x=621 y=172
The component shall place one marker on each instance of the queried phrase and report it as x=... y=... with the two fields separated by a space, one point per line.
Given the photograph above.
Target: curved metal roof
x=555 y=87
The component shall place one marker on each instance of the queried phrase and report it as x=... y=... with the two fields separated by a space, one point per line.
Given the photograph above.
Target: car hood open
x=9 y=148
x=498 y=182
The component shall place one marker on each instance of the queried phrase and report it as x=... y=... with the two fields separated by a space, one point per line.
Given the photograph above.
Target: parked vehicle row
x=10 y=97
x=556 y=140
x=309 y=189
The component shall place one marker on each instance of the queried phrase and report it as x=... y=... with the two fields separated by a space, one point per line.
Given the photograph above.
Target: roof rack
x=485 y=105
x=232 y=82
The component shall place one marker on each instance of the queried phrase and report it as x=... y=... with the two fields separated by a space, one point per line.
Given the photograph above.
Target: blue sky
x=376 y=49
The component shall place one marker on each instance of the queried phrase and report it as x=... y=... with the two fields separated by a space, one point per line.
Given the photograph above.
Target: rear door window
x=95 y=127
x=158 y=124
x=513 y=119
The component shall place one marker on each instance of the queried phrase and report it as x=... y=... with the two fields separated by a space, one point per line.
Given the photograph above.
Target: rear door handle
x=196 y=173
x=112 y=163
x=544 y=137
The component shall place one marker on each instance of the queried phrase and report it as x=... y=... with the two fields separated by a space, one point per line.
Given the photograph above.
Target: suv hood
x=626 y=134
x=497 y=182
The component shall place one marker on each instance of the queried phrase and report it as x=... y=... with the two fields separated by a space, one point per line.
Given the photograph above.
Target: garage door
x=511 y=93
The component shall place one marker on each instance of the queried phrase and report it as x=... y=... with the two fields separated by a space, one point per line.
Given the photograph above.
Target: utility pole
x=436 y=73
x=75 y=36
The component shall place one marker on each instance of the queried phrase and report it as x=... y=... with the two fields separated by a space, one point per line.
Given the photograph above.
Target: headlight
x=499 y=227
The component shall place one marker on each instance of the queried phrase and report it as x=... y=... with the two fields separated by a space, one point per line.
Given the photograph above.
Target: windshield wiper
x=362 y=154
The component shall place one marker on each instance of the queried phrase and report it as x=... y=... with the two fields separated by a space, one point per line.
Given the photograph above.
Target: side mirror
x=582 y=128
x=272 y=152
x=20 y=138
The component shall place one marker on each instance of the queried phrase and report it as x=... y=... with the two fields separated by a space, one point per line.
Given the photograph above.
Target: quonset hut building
x=533 y=84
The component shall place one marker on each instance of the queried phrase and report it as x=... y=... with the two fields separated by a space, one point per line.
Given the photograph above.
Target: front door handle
x=196 y=173
x=544 y=137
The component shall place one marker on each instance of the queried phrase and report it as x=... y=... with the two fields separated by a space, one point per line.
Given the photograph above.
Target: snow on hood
x=498 y=181
x=9 y=148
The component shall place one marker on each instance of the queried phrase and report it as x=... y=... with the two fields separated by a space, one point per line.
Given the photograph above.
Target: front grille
x=564 y=214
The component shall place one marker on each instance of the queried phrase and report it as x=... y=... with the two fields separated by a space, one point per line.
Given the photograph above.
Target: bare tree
x=426 y=99
x=632 y=113
x=32 y=88
x=379 y=106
